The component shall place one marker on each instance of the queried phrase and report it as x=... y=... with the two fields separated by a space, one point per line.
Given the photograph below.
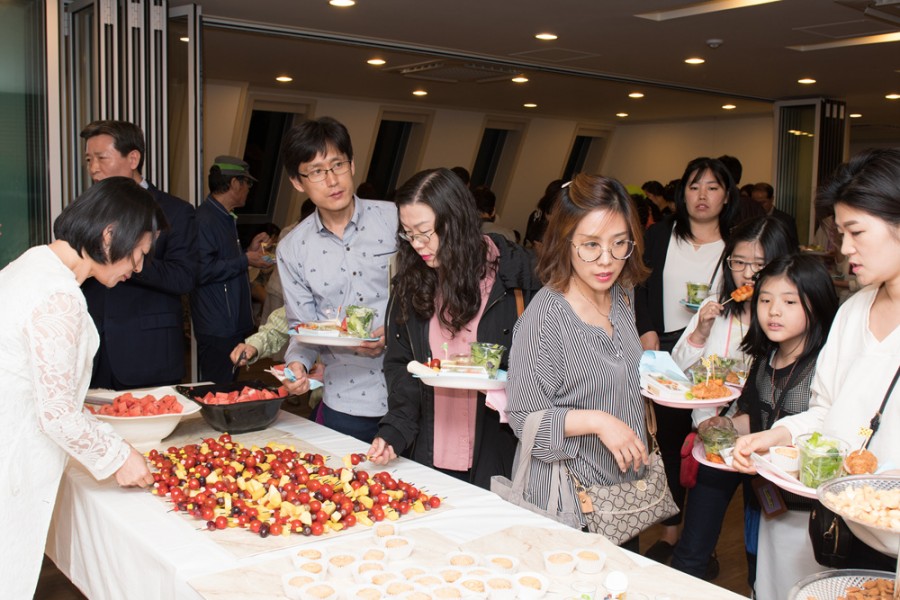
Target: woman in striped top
x=575 y=350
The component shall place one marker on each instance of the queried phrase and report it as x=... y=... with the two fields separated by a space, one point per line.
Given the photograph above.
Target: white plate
x=465 y=382
x=779 y=477
x=318 y=339
x=689 y=305
x=699 y=453
x=691 y=404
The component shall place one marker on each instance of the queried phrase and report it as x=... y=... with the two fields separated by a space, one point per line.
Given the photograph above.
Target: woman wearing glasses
x=576 y=350
x=719 y=328
x=454 y=286
x=680 y=249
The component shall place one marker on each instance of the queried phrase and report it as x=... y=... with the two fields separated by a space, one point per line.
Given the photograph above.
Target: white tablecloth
x=121 y=543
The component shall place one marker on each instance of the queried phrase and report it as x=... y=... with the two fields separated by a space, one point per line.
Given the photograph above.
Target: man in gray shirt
x=336 y=257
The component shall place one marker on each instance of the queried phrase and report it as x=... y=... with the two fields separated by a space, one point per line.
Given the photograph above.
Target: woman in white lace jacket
x=47 y=347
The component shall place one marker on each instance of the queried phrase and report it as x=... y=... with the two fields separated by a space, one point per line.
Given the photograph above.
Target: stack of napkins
x=661 y=377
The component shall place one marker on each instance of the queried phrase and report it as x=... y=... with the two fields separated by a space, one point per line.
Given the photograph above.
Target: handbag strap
x=875 y=423
x=522 y=467
x=520 y=301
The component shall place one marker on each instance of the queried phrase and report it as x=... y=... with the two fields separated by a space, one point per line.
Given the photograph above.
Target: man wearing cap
x=140 y=321
x=220 y=304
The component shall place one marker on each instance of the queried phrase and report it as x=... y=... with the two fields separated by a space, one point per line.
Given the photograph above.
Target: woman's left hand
x=134 y=471
x=624 y=444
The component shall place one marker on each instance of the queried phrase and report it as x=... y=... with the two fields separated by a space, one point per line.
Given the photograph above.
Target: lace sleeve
x=58 y=343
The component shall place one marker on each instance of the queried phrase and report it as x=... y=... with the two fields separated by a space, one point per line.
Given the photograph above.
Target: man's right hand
x=255 y=259
x=249 y=353
x=301 y=385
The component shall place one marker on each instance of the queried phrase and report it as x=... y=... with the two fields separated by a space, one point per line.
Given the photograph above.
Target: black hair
x=734 y=167
x=764 y=187
x=219 y=182
x=461 y=256
x=126 y=136
x=462 y=173
x=653 y=187
x=695 y=169
x=311 y=138
x=817 y=297
x=770 y=233
x=870 y=182
x=485 y=199
x=551 y=195
x=119 y=202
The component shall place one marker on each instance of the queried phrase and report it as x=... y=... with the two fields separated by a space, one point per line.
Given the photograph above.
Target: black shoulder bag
x=831 y=538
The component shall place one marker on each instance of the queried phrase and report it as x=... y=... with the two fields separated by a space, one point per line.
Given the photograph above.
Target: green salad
x=821 y=459
x=488 y=356
x=360 y=320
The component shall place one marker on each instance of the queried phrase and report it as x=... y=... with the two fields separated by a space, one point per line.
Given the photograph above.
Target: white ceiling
x=603 y=52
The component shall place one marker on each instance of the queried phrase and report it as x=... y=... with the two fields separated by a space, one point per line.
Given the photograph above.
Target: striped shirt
x=559 y=363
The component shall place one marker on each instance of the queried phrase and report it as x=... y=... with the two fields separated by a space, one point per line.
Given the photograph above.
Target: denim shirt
x=322 y=274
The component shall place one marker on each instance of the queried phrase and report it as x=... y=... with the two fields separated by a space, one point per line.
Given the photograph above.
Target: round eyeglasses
x=422 y=238
x=338 y=168
x=736 y=264
x=592 y=251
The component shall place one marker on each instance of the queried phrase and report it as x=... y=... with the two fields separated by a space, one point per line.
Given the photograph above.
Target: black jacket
x=648 y=297
x=140 y=321
x=408 y=425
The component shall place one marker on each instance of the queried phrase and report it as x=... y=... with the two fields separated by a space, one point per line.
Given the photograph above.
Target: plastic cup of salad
x=821 y=458
x=488 y=356
x=360 y=320
x=697 y=292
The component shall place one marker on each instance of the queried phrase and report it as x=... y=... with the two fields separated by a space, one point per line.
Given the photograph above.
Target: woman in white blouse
x=862 y=353
x=47 y=347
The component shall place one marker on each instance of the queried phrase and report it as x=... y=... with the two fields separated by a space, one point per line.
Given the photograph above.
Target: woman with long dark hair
x=454 y=286
x=682 y=248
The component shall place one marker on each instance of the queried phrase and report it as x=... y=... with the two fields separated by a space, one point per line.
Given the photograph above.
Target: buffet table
x=124 y=543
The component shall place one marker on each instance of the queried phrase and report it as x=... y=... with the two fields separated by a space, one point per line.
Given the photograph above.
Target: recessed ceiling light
x=342 y=3
x=376 y=62
x=806 y=81
x=184 y=39
x=893 y=96
x=696 y=60
x=729 y=106
x=420 y=93
x=530 y=105
x=700 y=8
x=882 y=38
x=855 y=115
x=636 y=95
x=520 y=79
x=621 y=115
x=547 y=36
x=284 y=78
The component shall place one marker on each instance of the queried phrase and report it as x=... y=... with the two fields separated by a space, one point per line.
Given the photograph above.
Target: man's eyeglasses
x=249 y=182
x=592 y=251
x=736 y=264
x=338 y=168
x=422 y=238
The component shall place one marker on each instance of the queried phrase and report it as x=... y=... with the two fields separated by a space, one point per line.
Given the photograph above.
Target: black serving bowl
x=235 y=418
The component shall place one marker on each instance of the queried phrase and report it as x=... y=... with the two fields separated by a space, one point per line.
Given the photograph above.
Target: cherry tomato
x=349 y=520
x=275 y=529
x=355 y=459
x=375 y=489
x=403 y=507
x=221 y=522
x=434 y=501
x=315 y=506
x=255 y=524
x=317 y=528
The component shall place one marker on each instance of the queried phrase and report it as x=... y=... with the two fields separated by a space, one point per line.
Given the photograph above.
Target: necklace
x=592 y=303
x=778 y=405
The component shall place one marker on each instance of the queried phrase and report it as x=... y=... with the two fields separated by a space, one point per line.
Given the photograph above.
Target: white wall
x=660 y=151
x=635 y=153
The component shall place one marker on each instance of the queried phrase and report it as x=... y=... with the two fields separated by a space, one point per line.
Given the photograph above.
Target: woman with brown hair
x=576 y=350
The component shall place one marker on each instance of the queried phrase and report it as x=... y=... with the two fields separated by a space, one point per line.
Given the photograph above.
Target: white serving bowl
x=146 y=433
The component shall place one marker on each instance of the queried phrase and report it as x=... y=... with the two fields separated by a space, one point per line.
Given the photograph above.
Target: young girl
x=792 y=309
x=719 y=328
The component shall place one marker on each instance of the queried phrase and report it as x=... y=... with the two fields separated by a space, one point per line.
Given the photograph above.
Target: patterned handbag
x=623 y=510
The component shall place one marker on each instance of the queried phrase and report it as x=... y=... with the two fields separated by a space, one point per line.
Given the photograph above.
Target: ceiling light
x=376 y=62
x=855 y=115
x=284 y=78
x=856 y=41
x=420 y=93
x=893 y=96
x=547 y=36
x=695 y=60
x=530 y=105
x=806 y=81
x=520 y=79
x=636 y=95
x=729 y=106
x=342 y=3
x=184 y=39
x=621 y=115
x=700 y=8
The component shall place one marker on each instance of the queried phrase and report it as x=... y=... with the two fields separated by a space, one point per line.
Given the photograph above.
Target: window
x=580 y=149
x=387 y=156
x=586 y=155
x=488 y=159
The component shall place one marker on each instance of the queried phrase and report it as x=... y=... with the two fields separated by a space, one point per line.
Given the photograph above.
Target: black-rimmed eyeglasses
x=736 y=264
x=338 y=168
